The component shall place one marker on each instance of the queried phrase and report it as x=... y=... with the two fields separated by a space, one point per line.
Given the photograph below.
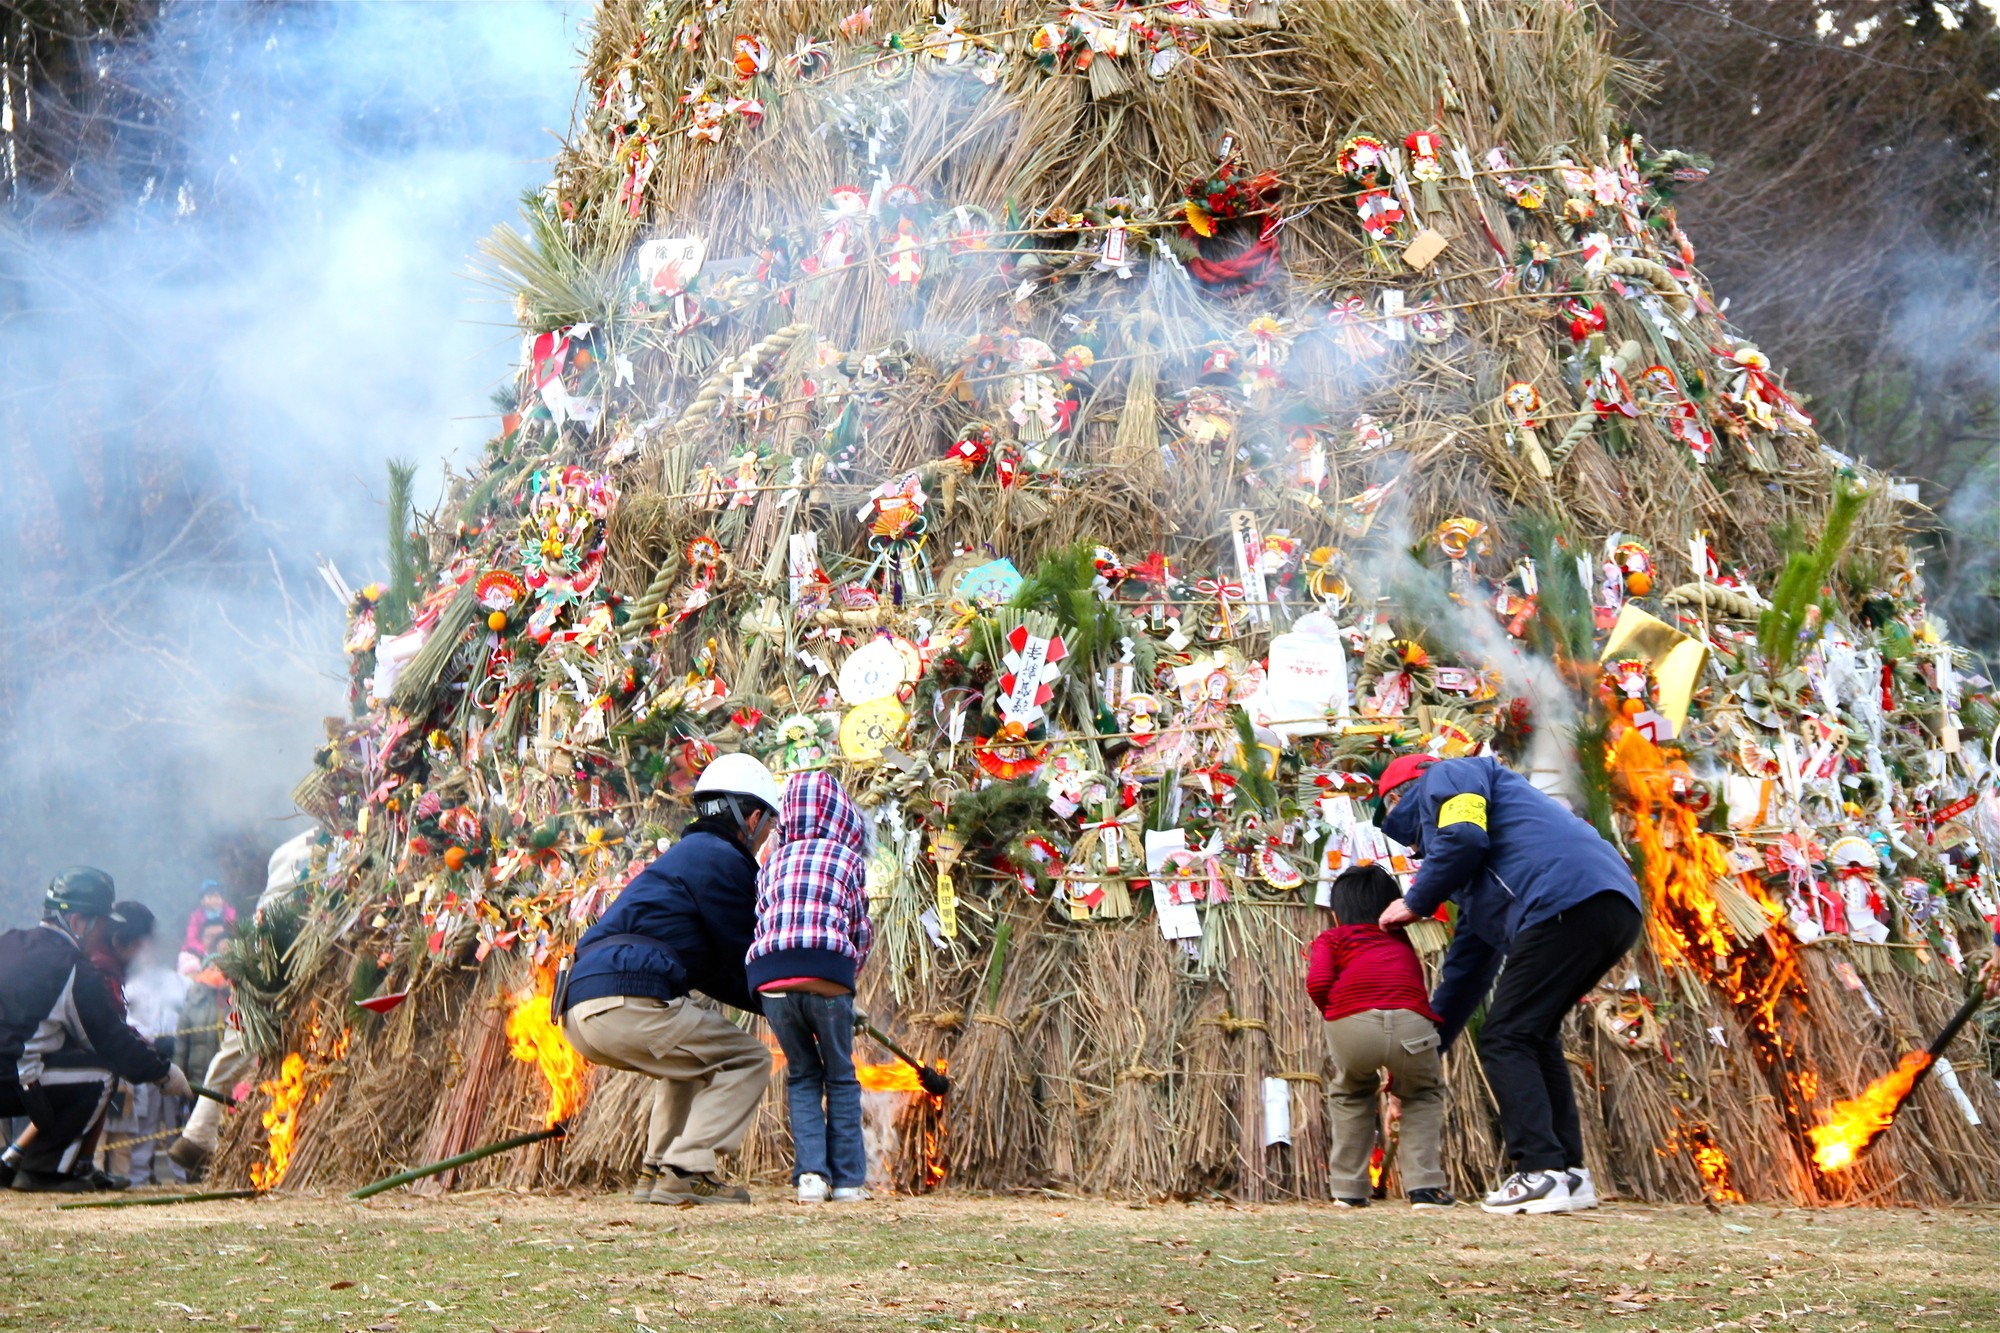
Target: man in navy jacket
x=1537 y=888
x=684 y=925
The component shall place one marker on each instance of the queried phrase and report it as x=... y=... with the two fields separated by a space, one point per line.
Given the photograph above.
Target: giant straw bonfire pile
x=1103 y=434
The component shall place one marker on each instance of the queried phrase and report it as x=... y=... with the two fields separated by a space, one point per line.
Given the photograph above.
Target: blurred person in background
x=212 y=1034
x=153 y=994
x=212 y=910
x=206 y=1028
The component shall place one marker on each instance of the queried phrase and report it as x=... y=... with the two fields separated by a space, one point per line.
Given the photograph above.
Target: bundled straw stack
x=1103 y=435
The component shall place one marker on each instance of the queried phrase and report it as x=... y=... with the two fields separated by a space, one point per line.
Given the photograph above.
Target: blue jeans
x=816 y=1033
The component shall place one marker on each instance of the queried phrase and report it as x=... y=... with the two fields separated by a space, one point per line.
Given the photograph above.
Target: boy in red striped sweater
x=1369 y=986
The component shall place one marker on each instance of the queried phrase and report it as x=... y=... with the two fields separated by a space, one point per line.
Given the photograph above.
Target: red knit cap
x=1403 y=768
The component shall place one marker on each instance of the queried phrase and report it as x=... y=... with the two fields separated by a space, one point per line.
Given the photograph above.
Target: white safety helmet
x=739 y=775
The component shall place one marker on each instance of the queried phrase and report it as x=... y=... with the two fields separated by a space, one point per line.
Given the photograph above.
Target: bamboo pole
x=462 y=1159
x=202 y=1196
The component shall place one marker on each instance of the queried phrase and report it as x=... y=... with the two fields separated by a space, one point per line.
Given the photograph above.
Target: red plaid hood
x=817 y=806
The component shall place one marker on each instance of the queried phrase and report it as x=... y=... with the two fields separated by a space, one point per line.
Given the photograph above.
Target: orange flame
x=1762 y=980
x=928 y=1119
x=534 y=1040
x=897 y=1076
x=290 y=1093
x=1712 y=1162
x=1858 y=1122
x=1681 y=861
x=1679 y=865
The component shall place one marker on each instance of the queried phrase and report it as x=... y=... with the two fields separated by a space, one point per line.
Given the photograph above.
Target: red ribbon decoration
x=1224 y=592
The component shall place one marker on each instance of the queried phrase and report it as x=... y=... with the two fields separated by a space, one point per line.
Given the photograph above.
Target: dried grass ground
x=507 y=1262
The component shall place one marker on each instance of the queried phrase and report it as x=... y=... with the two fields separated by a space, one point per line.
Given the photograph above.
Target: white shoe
x=851 y=1194
x=812 y=1188
x=1582 y=1189
x=1531 y=1192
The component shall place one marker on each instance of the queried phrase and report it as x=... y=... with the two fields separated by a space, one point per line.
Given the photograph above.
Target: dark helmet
x=130 y=923
x=82 y=890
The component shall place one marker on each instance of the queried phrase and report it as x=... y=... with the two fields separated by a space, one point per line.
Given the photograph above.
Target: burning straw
x=533 y=1039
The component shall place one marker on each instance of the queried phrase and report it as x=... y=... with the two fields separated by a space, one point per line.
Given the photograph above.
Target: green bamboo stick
x=152 y=1201
x=369 y=1191
x=214 y=1096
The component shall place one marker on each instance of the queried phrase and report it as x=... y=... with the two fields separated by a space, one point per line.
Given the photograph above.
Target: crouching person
x=1369 y=986
x=683 y=926
x=63 y=1042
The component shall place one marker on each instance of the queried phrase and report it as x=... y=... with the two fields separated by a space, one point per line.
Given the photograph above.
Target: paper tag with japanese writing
x=1248 y=543
x=947 y=906
x=802 y=562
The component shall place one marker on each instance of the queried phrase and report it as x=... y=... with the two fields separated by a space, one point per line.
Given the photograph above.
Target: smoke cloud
x=201 y=392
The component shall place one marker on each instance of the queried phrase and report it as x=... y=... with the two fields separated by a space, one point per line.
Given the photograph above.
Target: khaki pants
x=712 y=1073
x=231 y=1065
x=1405 y=1044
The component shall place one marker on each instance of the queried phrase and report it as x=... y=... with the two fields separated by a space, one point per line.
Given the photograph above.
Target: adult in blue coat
x=1537 y=888
x=683 y=925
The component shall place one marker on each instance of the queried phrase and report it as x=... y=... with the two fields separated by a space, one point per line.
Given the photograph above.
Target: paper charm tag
x=1079 y=910
x=1179 y=920
x=1248 y=543
x=947 y=906
x=1032 y=672
x=1277 y=1111
x=802 y=563
x=667 y=265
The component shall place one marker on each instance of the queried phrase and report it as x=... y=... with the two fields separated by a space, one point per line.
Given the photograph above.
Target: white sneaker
x=1530 y=1192
x=1582 y=1189
x=812 y=1188
x=851 y=1194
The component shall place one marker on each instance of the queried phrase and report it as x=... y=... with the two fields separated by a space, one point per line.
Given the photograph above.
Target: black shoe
x=1431 y=1199
x=6 y=1174
x=51 y=1182
x=104 y=1180
x=1350 y=1203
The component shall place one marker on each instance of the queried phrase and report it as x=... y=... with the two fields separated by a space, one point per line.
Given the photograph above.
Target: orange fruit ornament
x=1639 y=583
x=496 y=621
x=454 y=857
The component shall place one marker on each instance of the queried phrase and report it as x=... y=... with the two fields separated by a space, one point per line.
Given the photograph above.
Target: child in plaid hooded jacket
x=812 y=937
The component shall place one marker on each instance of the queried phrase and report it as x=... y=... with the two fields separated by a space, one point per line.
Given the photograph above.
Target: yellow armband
x=1466 y=808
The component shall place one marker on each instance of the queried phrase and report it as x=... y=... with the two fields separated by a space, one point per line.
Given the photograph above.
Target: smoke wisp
x=203 y=387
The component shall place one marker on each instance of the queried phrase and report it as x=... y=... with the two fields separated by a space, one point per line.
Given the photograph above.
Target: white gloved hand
x=175 y=1084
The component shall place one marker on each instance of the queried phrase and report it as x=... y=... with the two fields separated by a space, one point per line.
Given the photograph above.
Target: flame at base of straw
x=1713 y=1164
x=1859 y=1121
x=928 y=1120
x=895 y=1076
x=533 y=1039
x=290 y=1093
